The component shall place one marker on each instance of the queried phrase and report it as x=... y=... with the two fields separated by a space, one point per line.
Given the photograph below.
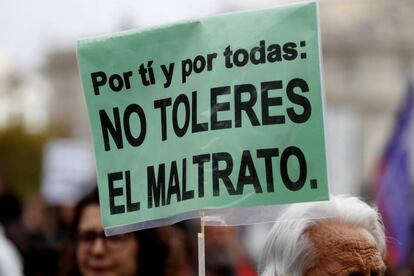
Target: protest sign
x=68 y=171
x=222 y=112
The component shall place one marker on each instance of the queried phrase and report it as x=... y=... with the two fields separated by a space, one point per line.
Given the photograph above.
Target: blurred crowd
x=36 y=239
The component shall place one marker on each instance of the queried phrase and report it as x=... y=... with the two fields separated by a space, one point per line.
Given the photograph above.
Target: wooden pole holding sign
x=201 y=249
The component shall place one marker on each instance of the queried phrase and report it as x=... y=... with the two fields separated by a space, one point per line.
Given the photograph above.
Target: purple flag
x=394 y=185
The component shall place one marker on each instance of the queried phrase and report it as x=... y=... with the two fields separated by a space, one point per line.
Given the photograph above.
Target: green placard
x=222 y=112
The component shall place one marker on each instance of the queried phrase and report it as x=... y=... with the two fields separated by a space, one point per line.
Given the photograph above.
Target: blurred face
x=221 y=249
x=344 y=250
x=97 y=255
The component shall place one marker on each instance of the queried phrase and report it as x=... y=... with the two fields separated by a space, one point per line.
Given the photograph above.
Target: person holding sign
x=348 y=239
x=139 y=253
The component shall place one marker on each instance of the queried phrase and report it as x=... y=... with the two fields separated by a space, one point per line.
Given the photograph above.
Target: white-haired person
x=343 y=236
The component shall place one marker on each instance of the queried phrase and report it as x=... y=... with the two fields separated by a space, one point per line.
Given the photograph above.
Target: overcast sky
x=31 y=29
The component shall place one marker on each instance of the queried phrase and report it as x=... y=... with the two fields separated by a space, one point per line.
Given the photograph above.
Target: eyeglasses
x=87 y=238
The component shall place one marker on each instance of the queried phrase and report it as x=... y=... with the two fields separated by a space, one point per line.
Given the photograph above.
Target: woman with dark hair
x=87 y=252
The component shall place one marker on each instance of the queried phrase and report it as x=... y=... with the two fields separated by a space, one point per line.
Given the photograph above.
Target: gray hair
x=289 y=252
